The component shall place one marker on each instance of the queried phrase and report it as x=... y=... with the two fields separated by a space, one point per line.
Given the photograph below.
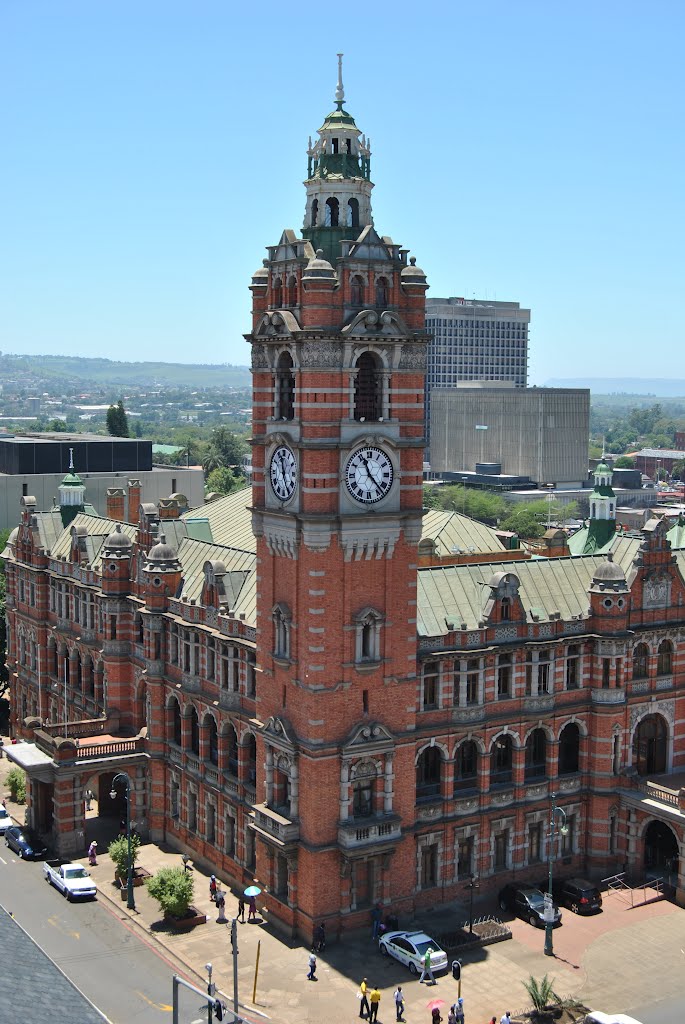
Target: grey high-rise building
x=475 y=340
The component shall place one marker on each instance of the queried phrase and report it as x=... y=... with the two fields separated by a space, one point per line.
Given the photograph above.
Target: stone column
x=294 y=788
x=389 y=780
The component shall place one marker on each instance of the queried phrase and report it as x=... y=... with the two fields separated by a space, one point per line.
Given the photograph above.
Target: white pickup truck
x=72 y=880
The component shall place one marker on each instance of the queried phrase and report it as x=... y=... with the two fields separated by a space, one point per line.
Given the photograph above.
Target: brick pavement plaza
x=616 y=960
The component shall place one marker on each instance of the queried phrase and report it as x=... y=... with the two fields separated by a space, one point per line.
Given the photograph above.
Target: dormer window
x=348 y=145
x=353 y=213
x=357 y=290
x=277 y=293
x=292 y=290
x=332 y=212
x=285 y=388
x=505 y=607
x=315 y=212
x=334 y=143
x=382 y=291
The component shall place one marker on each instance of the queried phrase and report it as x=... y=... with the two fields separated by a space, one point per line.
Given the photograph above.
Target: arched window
x=428 y=772
x=292 y=290
x=212 y=739
x=232 y=752
x=536 y=754
x=277 y=293
x=332 y=212
x=194 y=732
x=357 y=290
x=315 y=212
x=285 y=387
x=569 y=749
x=368 y=390
x=176 y=732
x=664 y=665
x=640 y=661
x=382 y=291
x=251 y=746
x=281 y=617
x=466 y=767
x=353 y=213
x=501 y=761
x=650 y=746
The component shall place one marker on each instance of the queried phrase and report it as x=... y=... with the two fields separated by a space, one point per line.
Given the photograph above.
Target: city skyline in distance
x=526 y=155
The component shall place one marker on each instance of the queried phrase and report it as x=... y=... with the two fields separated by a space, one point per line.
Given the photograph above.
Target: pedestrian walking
x=458 y=1008
x=505 y=1018
x=241 y=910
x=93 y=854
x=212 y=888
x=364 y=1008
x=90 y=796
x=399 y=1002
x=435 y=1016
x=375 y=921
x=312 y=968
x=374 y=999
x=427 y=969
x=451 y=1016
x=252 y=912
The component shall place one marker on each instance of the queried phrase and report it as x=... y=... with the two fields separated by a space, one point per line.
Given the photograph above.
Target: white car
x=5 y=820
x=72 y=880
x=598 y=1017
x=410 y=949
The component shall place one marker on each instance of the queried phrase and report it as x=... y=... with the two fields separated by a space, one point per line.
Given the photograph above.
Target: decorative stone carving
x=324 y=354
x=505 y=633
x=654 y=707
x=569 y=785
x=259 y=358
x=413 y=357
x=656 y=593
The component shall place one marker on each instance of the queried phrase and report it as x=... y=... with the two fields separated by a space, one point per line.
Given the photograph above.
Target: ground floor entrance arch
x=661 y=852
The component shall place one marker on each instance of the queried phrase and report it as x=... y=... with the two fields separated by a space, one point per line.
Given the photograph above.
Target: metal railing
x=634 y=895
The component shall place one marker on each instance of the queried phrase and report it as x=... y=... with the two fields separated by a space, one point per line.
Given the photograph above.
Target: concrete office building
x=34 y=464
x=539 y=433
x=475 y=340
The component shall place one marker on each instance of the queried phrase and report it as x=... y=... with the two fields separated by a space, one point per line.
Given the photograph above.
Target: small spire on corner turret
x=71 y=459
x=340 y=91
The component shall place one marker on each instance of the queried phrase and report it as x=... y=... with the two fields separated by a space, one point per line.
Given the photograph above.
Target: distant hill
x=656 y=387
x=106 y=372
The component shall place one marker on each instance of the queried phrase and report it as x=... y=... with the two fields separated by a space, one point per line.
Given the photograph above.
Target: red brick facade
x=324 y=711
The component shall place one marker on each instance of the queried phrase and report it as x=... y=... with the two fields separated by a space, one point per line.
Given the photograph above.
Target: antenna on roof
x=71 y=458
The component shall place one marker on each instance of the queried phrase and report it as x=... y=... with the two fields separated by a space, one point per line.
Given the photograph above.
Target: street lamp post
x=549 y=912
x=472 y=884
x=130 y=901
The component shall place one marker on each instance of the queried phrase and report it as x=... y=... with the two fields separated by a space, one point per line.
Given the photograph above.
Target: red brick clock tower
x=338 y=356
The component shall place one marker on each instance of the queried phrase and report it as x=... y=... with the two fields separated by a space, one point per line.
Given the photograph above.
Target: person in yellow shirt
x=375 y=999
x=364 y=1008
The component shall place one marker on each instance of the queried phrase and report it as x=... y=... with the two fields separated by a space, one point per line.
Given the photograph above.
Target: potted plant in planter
x=173 y=890
x=118 y=851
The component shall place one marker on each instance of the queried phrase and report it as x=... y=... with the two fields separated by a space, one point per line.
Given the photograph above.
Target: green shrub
x=118 y=851
x=173 y=890
x=16 y=780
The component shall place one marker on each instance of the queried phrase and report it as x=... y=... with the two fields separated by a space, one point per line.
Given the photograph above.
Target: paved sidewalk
x=617 y=960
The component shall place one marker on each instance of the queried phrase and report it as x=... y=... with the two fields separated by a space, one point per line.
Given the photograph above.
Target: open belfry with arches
x=299 y=693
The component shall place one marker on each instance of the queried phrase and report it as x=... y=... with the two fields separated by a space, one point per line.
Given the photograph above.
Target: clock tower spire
x=338 y=357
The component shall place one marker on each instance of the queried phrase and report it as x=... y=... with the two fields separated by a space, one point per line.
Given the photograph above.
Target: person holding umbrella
x=252 y=892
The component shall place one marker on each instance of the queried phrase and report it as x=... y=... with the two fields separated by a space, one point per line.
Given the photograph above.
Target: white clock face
x=369 y=475
x=283 y=473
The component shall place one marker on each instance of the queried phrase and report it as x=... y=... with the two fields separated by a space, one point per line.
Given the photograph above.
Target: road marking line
x=156 y=1006
x=65 y=931
x=2 y=860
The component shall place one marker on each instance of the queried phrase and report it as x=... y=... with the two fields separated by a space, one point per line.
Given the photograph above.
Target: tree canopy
x=117 y=420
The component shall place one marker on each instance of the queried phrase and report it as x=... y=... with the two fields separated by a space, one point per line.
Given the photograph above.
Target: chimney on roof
x=134 y=495
x=116 y=504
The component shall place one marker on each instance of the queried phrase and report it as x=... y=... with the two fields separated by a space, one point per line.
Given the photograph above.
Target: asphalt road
x=122 y=975
x=661 y=1011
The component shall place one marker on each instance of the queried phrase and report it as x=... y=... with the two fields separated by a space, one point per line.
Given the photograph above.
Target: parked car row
x=529 y=902
x=72 y=880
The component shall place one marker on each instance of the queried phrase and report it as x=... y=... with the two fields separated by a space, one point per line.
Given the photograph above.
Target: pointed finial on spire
x=340 y=91
x=71 y=459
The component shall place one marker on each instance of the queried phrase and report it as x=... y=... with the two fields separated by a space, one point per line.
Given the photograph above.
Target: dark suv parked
x=526 y=902
x=581 y=896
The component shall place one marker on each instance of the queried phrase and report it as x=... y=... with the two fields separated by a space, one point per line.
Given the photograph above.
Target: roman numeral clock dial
x=283 y=473
x=369 y=475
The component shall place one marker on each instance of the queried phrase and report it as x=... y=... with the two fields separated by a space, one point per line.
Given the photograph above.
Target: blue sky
x=527 y=151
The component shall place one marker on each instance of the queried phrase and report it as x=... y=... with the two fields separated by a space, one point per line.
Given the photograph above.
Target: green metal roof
x=228 y=519
x=458 y=593
x=457 y=534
